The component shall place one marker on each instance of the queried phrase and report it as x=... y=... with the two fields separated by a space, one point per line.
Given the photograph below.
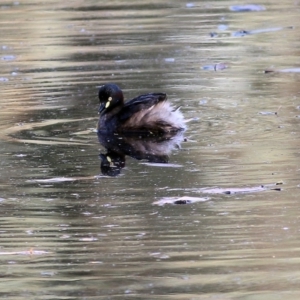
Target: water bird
x=149 y=114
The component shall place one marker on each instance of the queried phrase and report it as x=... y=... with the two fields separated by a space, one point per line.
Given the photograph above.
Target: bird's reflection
x=154 y=149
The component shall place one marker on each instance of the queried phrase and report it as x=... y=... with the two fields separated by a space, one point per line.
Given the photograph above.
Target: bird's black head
x=110 y=96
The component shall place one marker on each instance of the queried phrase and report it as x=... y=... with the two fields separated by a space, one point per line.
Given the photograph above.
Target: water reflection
x=154 y=149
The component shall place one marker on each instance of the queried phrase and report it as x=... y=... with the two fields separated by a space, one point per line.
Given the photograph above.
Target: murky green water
x=70 y=232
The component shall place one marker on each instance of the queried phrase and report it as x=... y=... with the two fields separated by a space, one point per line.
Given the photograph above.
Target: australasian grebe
x=149 y=114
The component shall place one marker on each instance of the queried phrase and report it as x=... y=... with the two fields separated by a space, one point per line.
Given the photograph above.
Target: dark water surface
x=70 y=232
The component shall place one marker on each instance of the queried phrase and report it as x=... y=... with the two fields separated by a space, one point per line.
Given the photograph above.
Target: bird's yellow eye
x=111 y=164
x=108 y=102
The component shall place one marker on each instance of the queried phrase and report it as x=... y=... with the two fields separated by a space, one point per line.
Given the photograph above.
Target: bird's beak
x=101 y=108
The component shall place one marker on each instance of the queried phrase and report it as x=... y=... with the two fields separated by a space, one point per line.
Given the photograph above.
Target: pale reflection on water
x=216 y=218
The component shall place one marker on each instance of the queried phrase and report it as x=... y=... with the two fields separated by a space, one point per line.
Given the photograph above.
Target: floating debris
x=47 y=273
x=217 y=191
x=228 y=191
x=276 y=189
x=159 y=255
x=8 y=57
x=216 y=67
x=180 y=200
x=272 y=29
x=247 y=7
x=170 y=59
x=244 y=32
x=268 y=113
x=242 y=190
x=213 y=34
x=190 y=5
x=290 y=70
x=240 y=33
x=88 y=239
